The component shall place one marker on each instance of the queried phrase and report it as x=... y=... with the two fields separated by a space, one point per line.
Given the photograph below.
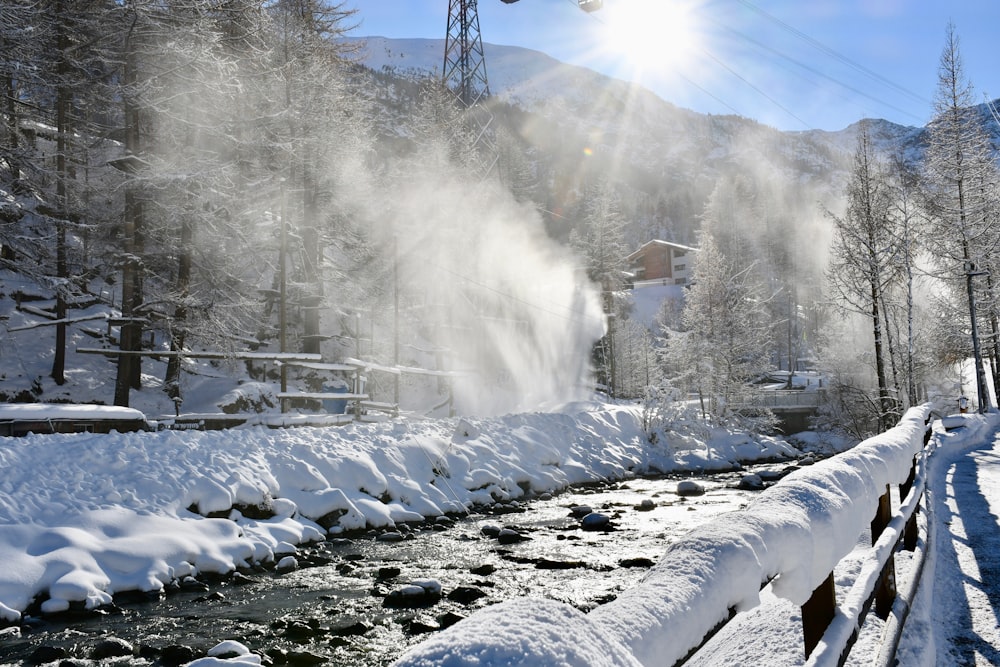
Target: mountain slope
x=669 y=154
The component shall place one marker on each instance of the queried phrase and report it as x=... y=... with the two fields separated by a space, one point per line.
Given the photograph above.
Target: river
x=347 y=602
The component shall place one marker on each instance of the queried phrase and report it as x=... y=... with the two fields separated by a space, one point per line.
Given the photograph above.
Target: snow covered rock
x=286 y=564
x=390 y=536
x=228 y=649
x=689 y=487
x=751 y=482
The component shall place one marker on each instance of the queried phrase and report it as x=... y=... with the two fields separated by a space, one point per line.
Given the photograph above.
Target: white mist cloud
x=488 y=291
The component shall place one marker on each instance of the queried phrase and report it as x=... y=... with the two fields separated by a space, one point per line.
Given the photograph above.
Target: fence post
x=818 y=612
x=885 y=594
x=910 y=532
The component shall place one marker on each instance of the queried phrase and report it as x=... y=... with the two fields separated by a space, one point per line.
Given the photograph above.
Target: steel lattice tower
x=464 y=74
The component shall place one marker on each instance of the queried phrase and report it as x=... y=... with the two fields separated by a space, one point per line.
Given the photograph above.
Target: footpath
x=955 y=616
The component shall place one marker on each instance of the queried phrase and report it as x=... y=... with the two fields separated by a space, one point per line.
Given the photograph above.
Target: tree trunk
x=893 y=352
x=994 y=348
x=10 y=109
x=312 y=254
x=62 y=144
x=130 y=339
x=885 y=405
x=178 y=331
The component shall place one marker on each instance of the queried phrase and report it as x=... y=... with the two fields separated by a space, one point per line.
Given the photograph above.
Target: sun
x=653 y=34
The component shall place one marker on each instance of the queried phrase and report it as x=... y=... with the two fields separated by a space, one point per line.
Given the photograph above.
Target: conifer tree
x=960 y=178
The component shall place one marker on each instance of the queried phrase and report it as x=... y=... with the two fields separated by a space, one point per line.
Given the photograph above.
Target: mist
x=484 y=293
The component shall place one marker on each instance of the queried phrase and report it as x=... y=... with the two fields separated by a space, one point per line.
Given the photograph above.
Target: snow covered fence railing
x=792 y=537
x=829 y=636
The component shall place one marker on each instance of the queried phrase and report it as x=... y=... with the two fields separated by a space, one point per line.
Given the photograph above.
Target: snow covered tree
x=601 y=242
x=177 y=87
x=960 y=179
x=636 y=361
x=726 y=336
x=56 y=68
x=906 y=218
x=319 y=120
x=865 y=258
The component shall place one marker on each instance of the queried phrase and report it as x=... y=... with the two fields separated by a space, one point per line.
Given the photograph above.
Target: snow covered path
x=956 y=618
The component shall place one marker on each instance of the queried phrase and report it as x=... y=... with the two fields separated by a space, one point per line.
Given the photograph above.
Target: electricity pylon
x=464 y=74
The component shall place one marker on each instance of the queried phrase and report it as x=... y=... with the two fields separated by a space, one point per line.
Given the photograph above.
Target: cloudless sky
x=792 y=64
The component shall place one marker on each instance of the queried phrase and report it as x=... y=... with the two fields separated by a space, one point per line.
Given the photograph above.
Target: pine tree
x=601 y=242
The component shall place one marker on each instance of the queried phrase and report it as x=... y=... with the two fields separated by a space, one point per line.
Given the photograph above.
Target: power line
x=810 y=41
x=677 y=74
x=817 y=72
x=833 y=53
x=758 y=90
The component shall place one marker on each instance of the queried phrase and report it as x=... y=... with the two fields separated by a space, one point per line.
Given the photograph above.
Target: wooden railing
x=791 y=537
x=828 y=637
x=788 y=398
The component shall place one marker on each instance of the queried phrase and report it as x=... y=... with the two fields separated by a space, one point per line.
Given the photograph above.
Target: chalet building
x=660 y=263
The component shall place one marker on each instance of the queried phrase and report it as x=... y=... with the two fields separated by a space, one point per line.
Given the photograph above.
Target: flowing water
x=339 y=607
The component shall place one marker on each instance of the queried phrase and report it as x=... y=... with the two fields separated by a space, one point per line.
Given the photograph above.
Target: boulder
x=689 y=487
x=596 y=521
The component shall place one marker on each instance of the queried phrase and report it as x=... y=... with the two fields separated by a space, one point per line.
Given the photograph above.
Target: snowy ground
x=85 y=516
x=955 y=618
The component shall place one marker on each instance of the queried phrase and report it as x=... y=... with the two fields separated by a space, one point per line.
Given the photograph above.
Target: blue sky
x=793 y=64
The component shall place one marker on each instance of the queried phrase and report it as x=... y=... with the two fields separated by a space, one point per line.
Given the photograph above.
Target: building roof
x=658 y=242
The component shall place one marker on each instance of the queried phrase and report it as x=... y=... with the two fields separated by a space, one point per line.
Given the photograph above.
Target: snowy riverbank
x=84 y=516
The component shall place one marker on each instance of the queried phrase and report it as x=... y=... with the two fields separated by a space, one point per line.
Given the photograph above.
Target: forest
x=226 y=175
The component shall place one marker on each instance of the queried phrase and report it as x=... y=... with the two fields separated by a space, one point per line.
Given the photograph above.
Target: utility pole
x=395 y=317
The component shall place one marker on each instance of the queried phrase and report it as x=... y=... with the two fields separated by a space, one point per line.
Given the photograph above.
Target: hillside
x=672 y=157
x=572 y=129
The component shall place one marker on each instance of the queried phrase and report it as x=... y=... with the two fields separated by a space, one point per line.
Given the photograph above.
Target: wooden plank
x=423 y=371
x=818 y=612
x=251 y=356
x=370 y=366
x=320 y=366
x=379 y=406
x=65 y=320
x=885 y=593
x=321 y=395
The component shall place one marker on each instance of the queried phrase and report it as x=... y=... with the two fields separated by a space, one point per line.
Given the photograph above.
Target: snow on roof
x=658 y=242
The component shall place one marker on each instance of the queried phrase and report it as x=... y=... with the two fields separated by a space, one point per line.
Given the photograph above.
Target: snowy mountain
x=673 y=156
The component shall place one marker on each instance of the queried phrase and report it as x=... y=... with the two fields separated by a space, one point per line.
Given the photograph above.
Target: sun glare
x=653 y=34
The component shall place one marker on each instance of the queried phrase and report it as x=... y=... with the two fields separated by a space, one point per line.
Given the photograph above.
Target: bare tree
x=960 y=176
x=865 y=257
